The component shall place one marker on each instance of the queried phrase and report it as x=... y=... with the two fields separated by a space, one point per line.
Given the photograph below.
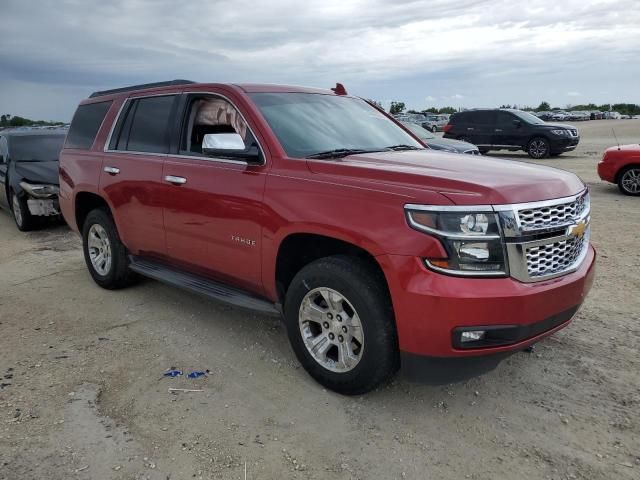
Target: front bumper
x=429 y=306
x=606 y=171
x=564 y=144
x=43 y=207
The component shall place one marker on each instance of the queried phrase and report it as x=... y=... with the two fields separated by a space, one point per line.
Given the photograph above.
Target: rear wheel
x=434 y=129
x=21 y=214
x=629 y=181
x=340 y=324
x=104 y=253
x=538 y=148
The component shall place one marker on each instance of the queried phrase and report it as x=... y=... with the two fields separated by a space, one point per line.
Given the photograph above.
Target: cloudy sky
x=467 y=53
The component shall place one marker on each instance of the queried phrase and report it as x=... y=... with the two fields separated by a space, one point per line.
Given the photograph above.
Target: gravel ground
x=83 y=394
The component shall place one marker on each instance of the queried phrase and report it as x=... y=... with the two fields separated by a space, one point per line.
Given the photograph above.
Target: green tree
x=396 y=108
x=543 y=107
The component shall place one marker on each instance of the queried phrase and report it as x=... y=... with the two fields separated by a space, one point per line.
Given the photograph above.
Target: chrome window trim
x=117 y=117
x=197 y=157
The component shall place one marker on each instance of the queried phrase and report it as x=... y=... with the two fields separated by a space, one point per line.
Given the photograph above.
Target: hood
x=38 y=172
x=634 y=147
x=464 y=179
x=560 y=125
x=449 y=144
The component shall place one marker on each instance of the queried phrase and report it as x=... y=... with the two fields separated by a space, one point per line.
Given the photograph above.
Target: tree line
x=8 y=120
x=396 y=108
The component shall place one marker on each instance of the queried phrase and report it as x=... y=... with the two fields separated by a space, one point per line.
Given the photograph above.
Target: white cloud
x=496 y=51
x=574 y=94
x=457 y=96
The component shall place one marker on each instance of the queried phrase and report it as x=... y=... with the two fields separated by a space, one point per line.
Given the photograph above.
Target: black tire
x=364 y=287
x=627 y=175
x=118 y=275
x=21 y=214
x=483 y=150
x=434 y=129
x=538 y=148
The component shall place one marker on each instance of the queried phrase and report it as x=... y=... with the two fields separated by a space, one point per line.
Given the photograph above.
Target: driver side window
x=211 y=115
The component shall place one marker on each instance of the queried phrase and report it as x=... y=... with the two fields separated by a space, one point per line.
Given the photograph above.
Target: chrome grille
x=544 y=260
x=550 y=216
x=546 y=239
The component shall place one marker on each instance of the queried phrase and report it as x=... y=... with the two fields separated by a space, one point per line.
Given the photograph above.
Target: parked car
x=315 y=205
x=437 y=143
x=29 y=174
x=621 y=165
x=418 y=119
x=437 y=122
x=507 y=129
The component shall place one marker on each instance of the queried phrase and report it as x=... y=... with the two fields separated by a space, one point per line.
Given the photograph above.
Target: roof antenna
x=614 y=136
x=339 y=89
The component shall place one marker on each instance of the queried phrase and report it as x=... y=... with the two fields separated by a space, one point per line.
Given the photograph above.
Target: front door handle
x=175 y=180
x=470 y=128
x=498 y=129
x=112 y=170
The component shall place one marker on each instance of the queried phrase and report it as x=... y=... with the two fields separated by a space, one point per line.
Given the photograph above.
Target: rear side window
x=144 y=125
x=479 y=117
x=85 y=125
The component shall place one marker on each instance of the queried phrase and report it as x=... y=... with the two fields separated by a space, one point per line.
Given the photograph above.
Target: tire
x=483 y=150
x=113 y=272
x=357 y=290
x=21 y=214
x=434 y=129
x=629 y=181
x=538 y=148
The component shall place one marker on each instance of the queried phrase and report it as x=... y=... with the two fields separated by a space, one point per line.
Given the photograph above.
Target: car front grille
x=551 y=216
x=555 y=257
x=546 y=239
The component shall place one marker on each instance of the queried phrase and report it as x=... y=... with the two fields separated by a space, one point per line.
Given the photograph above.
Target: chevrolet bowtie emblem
x=578 y=229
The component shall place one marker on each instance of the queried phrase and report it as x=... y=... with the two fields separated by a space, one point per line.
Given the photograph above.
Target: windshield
x=527 y=117
x=420 y=132
x=308 y=123
x=35 y=148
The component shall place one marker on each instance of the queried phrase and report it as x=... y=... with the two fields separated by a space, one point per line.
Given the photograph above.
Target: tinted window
x=35 y=148
x=480 y=117
x=148 y=131
x=308 y=123
x=504 y=119
x=85 y=124
x=3 y=150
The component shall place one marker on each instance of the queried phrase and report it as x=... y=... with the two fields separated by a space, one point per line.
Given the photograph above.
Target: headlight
x=40 y=191
x=560 y=132
x=471 y=238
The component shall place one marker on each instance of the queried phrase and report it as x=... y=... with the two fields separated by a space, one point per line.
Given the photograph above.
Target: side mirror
x=229 y=145
x=517 y=123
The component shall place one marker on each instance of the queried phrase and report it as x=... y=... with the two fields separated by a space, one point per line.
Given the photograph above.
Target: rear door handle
x=498 y=129
x=175 y=180
x=470 y=128
x=112 y=170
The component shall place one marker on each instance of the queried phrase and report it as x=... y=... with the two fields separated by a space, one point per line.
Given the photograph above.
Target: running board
x=201 y=285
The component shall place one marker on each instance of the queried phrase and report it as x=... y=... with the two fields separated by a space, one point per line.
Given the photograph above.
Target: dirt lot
x=84 y=396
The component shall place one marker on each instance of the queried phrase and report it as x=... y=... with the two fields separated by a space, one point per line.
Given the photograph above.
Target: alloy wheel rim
x=538 y=148
x=99 y=249
x=331 y=330
x=631 y=180
x=17 y=210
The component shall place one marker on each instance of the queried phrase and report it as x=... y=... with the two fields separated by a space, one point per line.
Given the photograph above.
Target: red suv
x=315 y=205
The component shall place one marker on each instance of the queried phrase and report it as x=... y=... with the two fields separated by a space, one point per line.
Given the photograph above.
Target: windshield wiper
x=339 y=152
x=399 y=148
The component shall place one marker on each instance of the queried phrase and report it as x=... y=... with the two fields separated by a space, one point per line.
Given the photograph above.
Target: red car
x=314 y=205
x=621 y=165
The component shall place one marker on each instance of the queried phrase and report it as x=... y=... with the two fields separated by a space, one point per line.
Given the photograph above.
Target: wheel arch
x=624 y=168
x=84 y=202
x=298 y=249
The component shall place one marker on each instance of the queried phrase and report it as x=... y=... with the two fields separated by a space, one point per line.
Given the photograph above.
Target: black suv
x=506 y=129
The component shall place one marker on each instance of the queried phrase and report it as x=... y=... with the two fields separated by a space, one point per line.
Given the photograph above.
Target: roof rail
x=140 y=87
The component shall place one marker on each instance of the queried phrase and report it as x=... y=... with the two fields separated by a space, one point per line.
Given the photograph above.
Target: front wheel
x=629 y=182
x=538 y=148
x=340 y=324
x=104 y=253
x=434 y=129
x=21 y=214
